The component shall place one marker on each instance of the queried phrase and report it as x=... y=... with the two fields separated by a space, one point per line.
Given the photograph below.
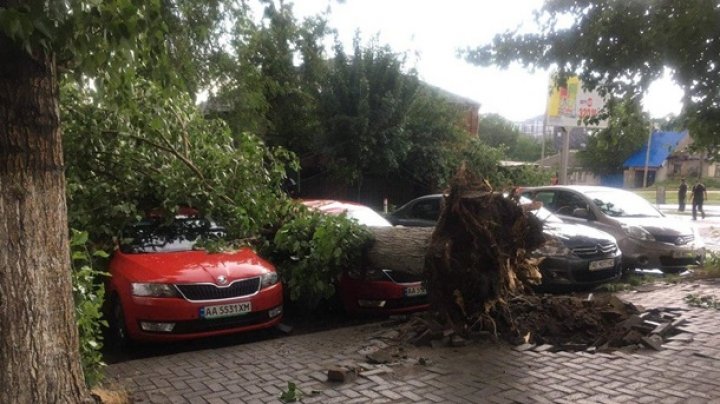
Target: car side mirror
x=581 y=213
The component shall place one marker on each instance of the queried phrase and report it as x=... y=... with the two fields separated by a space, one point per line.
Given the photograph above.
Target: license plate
x=602 y=264
x=683 y=254
x=419 y=290
x=225 y=310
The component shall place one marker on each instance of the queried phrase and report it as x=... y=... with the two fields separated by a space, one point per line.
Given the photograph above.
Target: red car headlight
x=154 y=290
x=269 y=279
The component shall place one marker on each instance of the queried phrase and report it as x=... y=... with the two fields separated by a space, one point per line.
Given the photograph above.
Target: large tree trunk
x=39 y=350
x=400 y=248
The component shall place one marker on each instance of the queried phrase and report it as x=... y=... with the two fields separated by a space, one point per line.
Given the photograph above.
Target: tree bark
x=400 y=248
x=39 y=349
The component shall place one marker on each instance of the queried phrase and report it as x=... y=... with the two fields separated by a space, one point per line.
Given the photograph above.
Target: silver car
x=646 y=237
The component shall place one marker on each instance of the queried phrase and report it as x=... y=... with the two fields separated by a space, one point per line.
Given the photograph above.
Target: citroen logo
x=222 y=280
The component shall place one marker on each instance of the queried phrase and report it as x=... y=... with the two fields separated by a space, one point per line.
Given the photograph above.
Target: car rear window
x=182 y=234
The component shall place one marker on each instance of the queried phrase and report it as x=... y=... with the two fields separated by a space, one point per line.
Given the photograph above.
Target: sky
x=435 y=30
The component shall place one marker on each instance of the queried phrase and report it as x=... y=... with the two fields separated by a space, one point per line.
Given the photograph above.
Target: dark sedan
x=574 y=255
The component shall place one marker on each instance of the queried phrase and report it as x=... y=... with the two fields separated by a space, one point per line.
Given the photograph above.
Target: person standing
x=699 y=194
x=682 y=195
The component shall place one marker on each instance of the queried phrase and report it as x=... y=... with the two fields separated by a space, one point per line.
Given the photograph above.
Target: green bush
x=312 y=249
x=88 y=293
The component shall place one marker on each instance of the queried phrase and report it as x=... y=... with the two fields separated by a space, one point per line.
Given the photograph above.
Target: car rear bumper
x=380 y=296
x=187 y=322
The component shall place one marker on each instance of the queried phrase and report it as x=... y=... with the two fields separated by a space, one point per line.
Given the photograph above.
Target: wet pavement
x=686 y=370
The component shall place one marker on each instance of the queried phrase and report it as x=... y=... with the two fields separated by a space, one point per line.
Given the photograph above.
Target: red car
x=165 y=287
x=377 y=291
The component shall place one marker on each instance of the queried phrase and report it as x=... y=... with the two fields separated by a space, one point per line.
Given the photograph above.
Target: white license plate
x=226 y=310
x=683 y=254
x=419 y=290
x=602 y=264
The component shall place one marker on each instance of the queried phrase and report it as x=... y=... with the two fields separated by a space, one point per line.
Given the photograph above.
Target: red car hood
x=190 y=266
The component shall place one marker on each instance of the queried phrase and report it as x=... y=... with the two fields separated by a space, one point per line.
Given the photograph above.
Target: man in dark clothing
x=682 y=194
x=699 y=194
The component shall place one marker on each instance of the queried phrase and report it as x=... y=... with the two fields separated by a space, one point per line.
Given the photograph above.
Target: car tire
x=119 y=338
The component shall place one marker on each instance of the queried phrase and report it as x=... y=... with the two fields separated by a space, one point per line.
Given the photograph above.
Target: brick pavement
x=684 y=372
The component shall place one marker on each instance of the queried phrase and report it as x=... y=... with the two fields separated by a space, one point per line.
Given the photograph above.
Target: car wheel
x=118 y=330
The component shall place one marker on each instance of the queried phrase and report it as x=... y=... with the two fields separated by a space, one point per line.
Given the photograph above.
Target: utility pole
x=647 y=156
x=564 y=156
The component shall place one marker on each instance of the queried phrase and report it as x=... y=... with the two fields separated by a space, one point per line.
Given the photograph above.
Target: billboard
x=570 y=104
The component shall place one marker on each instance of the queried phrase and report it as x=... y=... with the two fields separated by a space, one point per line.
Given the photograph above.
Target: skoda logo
x=222 y=280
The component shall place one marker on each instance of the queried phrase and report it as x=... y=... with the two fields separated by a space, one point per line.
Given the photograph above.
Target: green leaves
x=156 y=150
x=622 y=47
x=608 y=148
x=89 y=295
x=311 y=250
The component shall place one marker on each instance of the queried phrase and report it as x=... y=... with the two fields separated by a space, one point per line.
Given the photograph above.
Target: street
x=708 y=228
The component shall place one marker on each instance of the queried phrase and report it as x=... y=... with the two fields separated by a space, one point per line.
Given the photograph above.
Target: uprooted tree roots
x=478 y=256
x=479 y=275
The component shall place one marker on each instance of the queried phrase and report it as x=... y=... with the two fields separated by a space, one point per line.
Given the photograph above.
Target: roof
x=662 y=144
x=554 y=160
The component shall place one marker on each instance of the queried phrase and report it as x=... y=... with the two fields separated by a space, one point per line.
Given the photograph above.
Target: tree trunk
x=400 y=248
x=39 y=349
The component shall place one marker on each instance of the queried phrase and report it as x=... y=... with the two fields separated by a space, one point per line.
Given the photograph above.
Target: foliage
x=496 y=131
x=622 y=47
x=265 y=91
x=434 y=133
x=158 y=151
x=292 y=394
x=705 y=302
x=527 y=148
x=312 y=249
x=522 y=176
x=608 y=148
x=89 y=294
x=480 y=160
x=363 y=109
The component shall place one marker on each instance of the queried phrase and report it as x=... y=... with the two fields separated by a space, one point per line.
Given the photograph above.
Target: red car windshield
x=182 y=234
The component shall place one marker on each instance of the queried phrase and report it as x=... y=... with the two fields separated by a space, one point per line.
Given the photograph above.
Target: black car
x=575 y=255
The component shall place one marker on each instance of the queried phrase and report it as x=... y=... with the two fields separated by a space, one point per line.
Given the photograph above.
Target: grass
x=671 y=196
x=671 y=191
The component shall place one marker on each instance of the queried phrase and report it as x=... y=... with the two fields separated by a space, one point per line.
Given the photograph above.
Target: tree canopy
x=622 y=47
x=496 y=131
x=608 y=148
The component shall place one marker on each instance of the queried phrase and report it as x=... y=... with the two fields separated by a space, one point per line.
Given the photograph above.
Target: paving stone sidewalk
x=687 y=370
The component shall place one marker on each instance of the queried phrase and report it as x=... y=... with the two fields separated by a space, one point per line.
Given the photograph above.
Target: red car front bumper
x=143 y=314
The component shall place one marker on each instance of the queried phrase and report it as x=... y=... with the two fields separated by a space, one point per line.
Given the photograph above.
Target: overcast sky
x=434 y=30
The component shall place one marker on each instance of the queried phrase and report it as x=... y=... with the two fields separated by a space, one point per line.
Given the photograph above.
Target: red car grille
x=243 y=287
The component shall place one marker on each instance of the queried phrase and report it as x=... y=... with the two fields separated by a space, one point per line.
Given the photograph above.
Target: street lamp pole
x=647 y=157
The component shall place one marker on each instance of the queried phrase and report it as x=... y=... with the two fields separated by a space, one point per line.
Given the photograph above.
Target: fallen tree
x=400 y=248
x=478 y=254
x=479 y=275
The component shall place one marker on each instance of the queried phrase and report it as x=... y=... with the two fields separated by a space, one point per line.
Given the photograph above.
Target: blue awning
x=661 y=145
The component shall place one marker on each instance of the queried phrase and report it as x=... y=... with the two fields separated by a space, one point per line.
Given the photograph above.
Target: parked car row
x=574 y=255
x=647 y=238
x=166 y=286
